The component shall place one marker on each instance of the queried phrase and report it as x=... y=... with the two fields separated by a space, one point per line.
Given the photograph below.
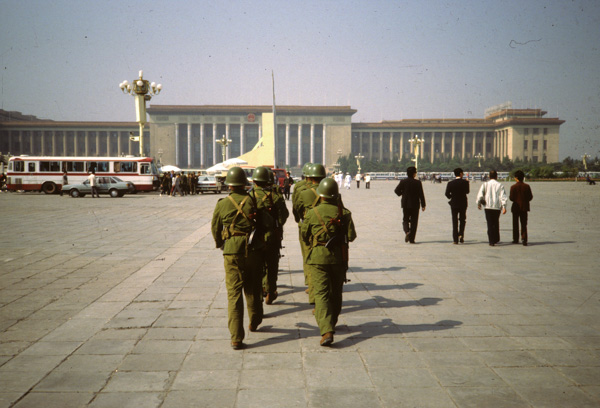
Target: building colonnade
x=66 y=142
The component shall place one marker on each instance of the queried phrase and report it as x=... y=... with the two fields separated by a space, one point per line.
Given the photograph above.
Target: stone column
x=287 y=144
x=202 y=145
x=107 y=143
x=97 y=143
x=242 y=139
x=464 y=134
x=189 y=146
x=401 y=152
x=227 y=127
x=312 y=142
x=324 y=145
x=380 y=153
x=300 y=145
x=176 y=144
x=432 y=147
x=214 y=143
x=453 y=147
x=118 y=143
x=370 y=145
x=483 y=145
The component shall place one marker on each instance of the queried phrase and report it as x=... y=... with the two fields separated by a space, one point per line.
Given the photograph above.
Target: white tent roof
x=169 y=167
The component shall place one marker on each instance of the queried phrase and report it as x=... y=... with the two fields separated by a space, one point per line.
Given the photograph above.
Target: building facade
x=187 y=135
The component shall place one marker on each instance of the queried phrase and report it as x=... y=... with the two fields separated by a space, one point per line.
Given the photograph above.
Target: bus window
x=53 y=166
x=126 y=167
x=31 y=167
x=18 y=166
x=145 y=168
x=74 y=167
x=98 y=167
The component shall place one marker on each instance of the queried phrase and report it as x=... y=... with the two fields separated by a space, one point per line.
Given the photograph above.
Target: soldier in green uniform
x=298 y=187
x=326 y=230
x=272 y=208
x=307 y=199
x=233 y=227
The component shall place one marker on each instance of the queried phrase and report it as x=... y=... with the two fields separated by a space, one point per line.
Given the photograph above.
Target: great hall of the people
x=187 y=135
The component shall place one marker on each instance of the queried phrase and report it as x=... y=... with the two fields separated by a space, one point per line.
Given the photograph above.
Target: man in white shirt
x=367 y=181
x=347 y=181
x=492 y=197
x=358 y=177
x=92 y=179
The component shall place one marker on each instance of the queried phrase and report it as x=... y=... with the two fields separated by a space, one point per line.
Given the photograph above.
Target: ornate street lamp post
x=142 y=90
x=416 y=142
x=358 y=158
x=224 y=142
x=478 y=156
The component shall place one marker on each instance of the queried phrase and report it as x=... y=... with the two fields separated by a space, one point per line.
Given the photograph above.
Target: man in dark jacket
x=457 y=191
x=413 y=198
x=520 y=195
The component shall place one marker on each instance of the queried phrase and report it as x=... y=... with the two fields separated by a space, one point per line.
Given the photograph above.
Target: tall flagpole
x=274 y=123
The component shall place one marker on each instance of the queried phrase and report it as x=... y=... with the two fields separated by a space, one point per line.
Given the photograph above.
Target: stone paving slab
x=121 y=302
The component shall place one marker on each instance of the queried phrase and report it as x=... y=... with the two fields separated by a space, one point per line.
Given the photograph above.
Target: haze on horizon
x=64 y=60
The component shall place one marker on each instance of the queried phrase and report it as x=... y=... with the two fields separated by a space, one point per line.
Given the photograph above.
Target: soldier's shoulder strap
x=316 y=197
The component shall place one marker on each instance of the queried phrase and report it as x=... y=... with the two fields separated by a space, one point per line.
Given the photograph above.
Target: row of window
x=535 y=131
x=534 y=144
x=51 y=166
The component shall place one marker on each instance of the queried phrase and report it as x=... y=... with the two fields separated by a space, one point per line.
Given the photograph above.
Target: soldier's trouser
x=243 y=274
x=269 y=281
x=307 y=281
x=328 y=283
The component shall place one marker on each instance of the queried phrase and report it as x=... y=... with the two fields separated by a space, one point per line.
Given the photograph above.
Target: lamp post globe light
x=223 y=142
x=416 y=142
x=358 y=158
x=142 y=91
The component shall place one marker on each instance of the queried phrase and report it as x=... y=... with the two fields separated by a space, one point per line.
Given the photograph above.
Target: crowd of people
x=172 y=183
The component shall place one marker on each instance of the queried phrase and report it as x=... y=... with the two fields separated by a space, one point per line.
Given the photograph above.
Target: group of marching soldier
x=248 y=227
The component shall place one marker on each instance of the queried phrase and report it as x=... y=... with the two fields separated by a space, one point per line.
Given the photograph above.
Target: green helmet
x=306 y=168
x=271 y=176
x=317 y=170
x=236 y=177
x=261 y=174
x=328 y=188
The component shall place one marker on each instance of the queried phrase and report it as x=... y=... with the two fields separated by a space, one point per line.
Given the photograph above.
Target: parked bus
x=44 y=173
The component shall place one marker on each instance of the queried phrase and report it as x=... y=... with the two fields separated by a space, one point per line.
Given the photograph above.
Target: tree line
x=569 y=166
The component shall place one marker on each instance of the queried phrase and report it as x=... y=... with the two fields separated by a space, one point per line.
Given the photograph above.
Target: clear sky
x=64 y=59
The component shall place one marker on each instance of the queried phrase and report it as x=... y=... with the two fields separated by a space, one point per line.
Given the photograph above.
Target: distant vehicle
x=113 y=186
x=209 y=183
x=44 y=173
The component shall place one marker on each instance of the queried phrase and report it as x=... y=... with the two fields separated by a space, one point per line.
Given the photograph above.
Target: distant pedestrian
x=492 y=197
x=347 y=181
x=65 y=181
x=456 y=191
x=520 y=195
x=287 y=185
x=92 y=179
x=177 y=186
x=413 y=199
x=368 y=181
x=358 y=178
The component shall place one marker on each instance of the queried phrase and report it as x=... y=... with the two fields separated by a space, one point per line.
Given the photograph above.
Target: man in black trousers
x=413 y=198
x=457 y=191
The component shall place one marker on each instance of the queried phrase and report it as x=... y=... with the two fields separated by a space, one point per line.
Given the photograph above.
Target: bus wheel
x=74 y=193
x=114 y=193
x=49 y=188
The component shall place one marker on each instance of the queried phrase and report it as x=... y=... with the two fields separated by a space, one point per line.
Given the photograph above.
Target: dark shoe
x=515 y=242
x=252 y=328
x=492 y=244
x=412 y=242
x=271 y=298
x=455 y=242
x=524 y=243
x=326 y=339
x=406 y=237
x=461 y=239
x=237 y=345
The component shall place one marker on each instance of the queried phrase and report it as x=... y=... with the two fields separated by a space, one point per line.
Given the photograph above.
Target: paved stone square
x=122 y=303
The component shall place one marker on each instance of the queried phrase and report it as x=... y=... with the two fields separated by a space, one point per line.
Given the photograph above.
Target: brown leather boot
x=327 y=339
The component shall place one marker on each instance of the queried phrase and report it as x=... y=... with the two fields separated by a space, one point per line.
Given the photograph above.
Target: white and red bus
x=44 y=173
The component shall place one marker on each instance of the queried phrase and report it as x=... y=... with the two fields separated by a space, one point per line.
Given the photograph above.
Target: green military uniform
x=326 y=263
x=274 y=205
x=232 y=227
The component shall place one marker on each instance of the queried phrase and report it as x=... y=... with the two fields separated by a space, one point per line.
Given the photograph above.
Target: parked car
x=209 y=183
x=105 y=185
